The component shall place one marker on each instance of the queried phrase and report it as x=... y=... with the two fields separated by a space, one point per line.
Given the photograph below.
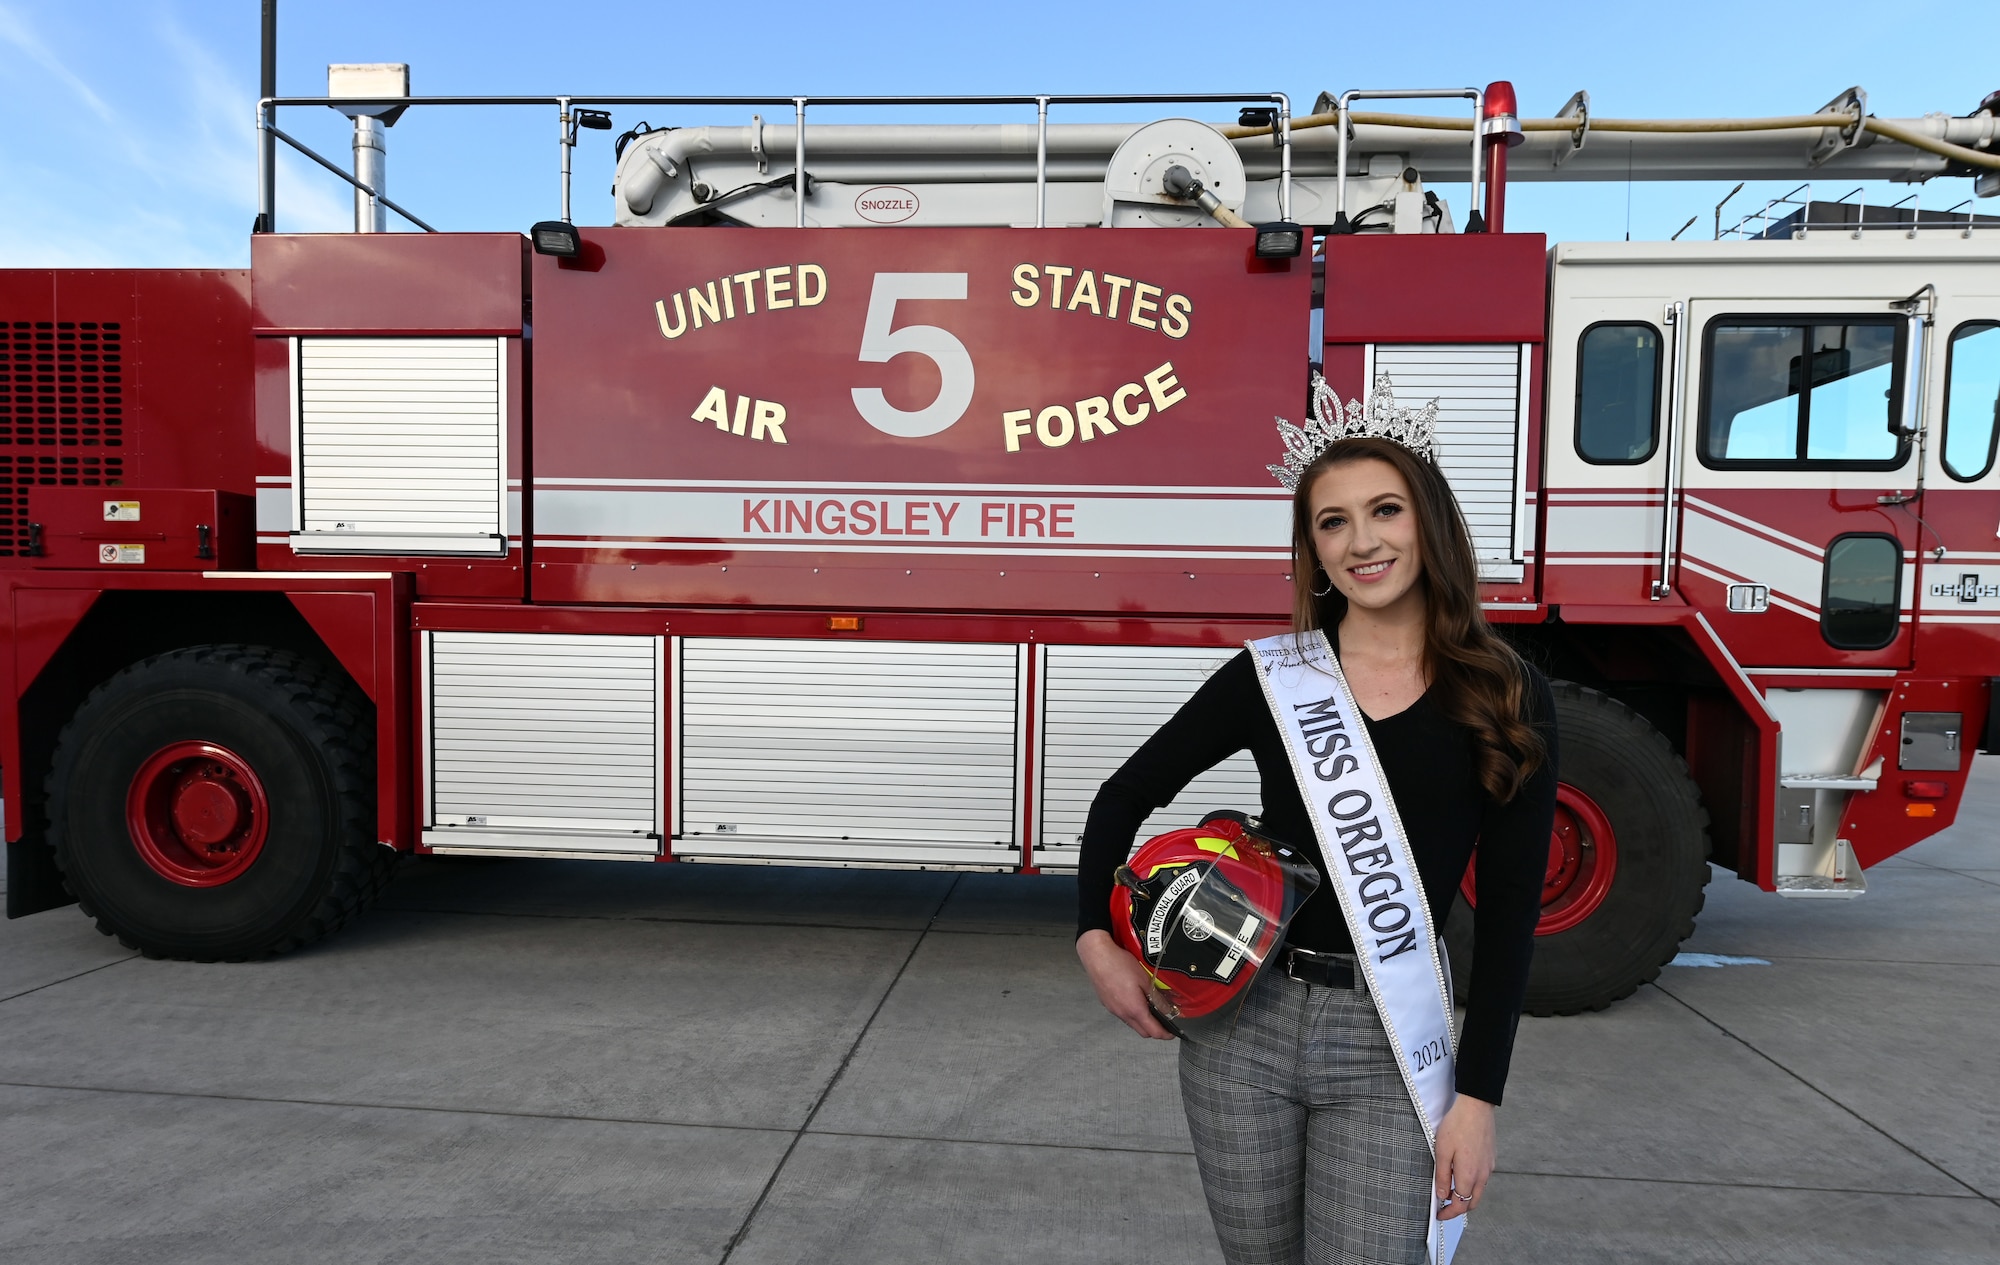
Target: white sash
x=1369 y=865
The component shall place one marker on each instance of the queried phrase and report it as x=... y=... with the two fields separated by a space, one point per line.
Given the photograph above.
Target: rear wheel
x=218 y=803
x=1628 y=858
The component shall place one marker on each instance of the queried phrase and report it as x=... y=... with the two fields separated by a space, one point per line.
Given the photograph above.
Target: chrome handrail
x=1342 y=127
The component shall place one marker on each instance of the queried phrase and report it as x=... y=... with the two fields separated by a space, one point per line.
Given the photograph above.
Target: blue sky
x=126 y=136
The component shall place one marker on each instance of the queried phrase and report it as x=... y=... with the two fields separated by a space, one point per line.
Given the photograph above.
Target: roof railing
x=1797 y=224
x=1763 y=213
x=567 y=107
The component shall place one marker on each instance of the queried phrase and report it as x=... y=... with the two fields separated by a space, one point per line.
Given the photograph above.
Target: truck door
x=1610 y=364
x=1959 y=622
x=1799 y=513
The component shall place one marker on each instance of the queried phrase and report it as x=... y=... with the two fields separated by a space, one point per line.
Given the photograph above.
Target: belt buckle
x=1323 y=967
x=1296 y=957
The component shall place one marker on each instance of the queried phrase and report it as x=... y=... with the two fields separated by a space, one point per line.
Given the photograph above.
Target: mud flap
x=33 y=881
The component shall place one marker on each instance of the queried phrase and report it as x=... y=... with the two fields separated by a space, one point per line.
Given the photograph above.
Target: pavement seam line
x=346 y=1104
x=649 y=1122
x=777 y=1170
x=1947 y=869
x=356 y=1105
x=1027 y=1144
x=1973 y=1197
x=716 y=922
x=1977 y=878
x=67 y=978
x=1697 y=1013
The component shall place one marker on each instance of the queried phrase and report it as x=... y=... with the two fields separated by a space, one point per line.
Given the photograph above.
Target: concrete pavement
x=544 y=1061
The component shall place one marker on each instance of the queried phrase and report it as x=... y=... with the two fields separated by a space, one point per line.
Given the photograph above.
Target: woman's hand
x=1465 y=1147
x=1123 y=986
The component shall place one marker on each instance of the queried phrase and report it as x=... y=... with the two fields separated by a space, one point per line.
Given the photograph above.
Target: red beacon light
x=1500 y=126
x=1501 y=116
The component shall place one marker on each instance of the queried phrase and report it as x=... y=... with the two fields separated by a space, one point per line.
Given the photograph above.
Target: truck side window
x=1972 y=399
x=1859 y=609
x=1779 y=392
x=1617 y=393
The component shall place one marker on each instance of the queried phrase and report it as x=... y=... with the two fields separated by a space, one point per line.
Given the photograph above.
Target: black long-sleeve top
x=1427 y=760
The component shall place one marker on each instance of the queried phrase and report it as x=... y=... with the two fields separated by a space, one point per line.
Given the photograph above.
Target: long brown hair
x=1479 y=681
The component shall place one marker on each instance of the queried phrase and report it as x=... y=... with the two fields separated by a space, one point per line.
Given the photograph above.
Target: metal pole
x=267 y=79
x=1496 y=183
x=1478 y=158
x=1041 y=162
x=799 y=159
x=1676 y=321
x=267 y=176
x=1725 y=202
x=267 y=144
x=1284 y=134
x=371 y=168
x=565 y=142
x=1340 y=164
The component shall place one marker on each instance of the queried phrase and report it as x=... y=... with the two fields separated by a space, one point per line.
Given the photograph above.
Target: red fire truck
x=880 y=534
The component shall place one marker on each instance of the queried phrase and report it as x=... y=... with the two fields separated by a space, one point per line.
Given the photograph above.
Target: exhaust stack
x=369 y=84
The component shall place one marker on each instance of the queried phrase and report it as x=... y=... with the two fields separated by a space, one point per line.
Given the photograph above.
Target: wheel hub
x=197 y=813
x=207 y=812
x=1582 y=861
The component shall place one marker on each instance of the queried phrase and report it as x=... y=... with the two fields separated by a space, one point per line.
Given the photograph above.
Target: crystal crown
x=1415 y=429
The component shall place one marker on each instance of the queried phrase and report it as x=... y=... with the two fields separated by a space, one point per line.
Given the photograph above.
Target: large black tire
x=305 y=735
x=1628 y=769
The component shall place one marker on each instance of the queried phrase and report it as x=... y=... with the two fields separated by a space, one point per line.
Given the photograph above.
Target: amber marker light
x=1920 y=810
x=843 y=623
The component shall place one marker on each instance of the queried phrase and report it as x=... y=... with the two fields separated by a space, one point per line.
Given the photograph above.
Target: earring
x=1329 y=584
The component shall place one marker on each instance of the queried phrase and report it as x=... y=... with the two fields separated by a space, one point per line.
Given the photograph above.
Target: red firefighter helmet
x=1202 y=909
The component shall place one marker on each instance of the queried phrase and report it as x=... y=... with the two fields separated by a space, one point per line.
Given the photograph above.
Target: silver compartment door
x=399 y=446
x=1100 y=703
x=899 y=753
x=1480 y=433
x=544 y=741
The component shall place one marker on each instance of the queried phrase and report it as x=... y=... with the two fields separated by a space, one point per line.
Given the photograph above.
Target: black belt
x=1321 y=970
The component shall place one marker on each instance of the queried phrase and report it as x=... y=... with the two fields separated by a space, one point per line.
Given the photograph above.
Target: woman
x=1309 y=1146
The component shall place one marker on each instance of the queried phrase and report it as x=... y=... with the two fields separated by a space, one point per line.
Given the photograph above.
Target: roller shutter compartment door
x=399 y=446
x=1100 y=703
x=1479 y=428
x=897 y=753
x=543 y=741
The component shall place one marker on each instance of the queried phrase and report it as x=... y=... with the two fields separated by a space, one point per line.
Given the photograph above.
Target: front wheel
x=218 y=803
x=1628 y=859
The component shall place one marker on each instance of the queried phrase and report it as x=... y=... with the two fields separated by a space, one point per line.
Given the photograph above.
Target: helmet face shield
x=1202 y=909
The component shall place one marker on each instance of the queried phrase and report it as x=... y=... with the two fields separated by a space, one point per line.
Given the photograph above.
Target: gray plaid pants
x=1310 y=1152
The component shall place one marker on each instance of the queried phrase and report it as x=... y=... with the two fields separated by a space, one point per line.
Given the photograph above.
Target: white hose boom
x=1894 y=131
